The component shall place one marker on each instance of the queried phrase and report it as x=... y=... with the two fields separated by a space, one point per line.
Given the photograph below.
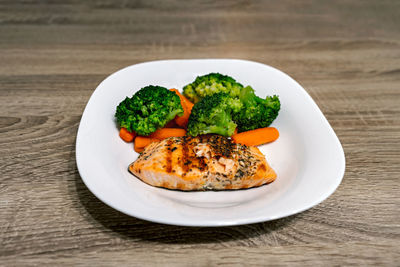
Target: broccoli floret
x=256 y=112
x=213 y=114
x=149 y=109
x=210 y=84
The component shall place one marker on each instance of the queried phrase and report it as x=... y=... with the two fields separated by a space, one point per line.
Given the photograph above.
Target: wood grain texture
x=53 y=54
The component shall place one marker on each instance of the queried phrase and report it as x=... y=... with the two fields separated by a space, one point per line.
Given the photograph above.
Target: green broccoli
x=213 y=114
x=256 y=112
x=210 y=84
x=149 y=109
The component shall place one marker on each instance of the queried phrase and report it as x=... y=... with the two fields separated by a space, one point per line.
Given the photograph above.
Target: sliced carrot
x=183 y=120
x=187 y=109
x=187 y=102
x=183 y=98
x=126 y=135
x=168 y=132
x=142 y=141
x=256 y=137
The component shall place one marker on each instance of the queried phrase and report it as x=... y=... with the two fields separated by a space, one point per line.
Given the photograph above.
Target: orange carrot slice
x=256 y=137
x=142 y=141
x=168 y=132
x=183 y=98
x=187 y=109
x=126 y=135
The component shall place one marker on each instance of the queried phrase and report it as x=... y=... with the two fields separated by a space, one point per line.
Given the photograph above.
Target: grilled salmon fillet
x=209 y=162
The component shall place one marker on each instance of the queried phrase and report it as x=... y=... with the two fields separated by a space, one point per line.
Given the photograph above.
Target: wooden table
x=346 y=54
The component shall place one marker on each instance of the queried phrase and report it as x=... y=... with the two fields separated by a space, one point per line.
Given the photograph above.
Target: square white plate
x=308 y=157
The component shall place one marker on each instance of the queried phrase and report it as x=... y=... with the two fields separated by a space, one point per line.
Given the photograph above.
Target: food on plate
x=182 y=121
x=126 y=135
x=168 y=132
x=206 y=162
x=209 y=84
x=256 y=137
x=171 y=124
x=142 y=141
x=213 y=114
x=207 y=144
x=256 y=112
x=149 y=109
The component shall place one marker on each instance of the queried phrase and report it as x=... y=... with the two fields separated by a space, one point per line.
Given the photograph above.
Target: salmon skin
x=208 y=162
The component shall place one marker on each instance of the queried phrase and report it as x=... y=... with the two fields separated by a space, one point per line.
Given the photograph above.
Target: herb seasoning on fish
x=202 y=163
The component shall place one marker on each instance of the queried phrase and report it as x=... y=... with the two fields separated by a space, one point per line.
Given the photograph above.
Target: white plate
x=308 y=157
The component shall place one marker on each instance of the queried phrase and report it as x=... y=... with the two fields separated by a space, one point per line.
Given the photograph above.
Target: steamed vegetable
x=256 y=137
x=256 y=112
x=213 y=114
x=149 y=109
x=168 y=132
x=210 y=84
x=126 y=135
x=142 y=141
x=183 y=120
